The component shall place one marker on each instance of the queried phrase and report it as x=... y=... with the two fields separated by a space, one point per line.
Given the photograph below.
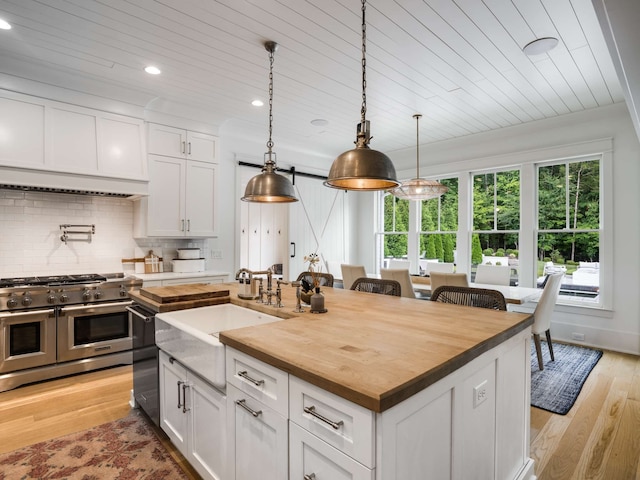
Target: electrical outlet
x=216 y=254
x=578 y=336
x=480 y=394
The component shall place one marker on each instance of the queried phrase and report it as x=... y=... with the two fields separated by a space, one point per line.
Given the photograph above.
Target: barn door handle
x=294 y=249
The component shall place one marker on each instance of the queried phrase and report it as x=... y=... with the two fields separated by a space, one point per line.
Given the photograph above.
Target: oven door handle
x=97 y=306
x=30 y=313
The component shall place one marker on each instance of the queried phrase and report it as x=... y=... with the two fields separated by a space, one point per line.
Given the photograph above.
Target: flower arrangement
x=314 y=268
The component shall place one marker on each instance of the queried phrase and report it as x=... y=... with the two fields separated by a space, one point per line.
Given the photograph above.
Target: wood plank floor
x=42 y=411
x=598 y=439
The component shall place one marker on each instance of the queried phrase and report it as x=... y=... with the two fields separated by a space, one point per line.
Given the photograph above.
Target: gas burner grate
x=52 y=280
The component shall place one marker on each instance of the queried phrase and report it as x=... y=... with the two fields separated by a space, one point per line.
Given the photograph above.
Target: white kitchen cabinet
x=258 y=439
x=193 y=415
x=64 y=138
x=176 y=142
x=181 y=201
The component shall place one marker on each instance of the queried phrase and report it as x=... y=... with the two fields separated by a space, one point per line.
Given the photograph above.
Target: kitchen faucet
x=268 y=272
x=279 y=293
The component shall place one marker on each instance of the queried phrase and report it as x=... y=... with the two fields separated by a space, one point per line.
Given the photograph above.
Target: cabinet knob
x=311 y=476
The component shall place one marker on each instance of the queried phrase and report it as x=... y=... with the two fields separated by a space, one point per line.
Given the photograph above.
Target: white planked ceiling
x=458 y=62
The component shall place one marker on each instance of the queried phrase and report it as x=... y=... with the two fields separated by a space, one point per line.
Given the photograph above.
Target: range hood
x=54 y=182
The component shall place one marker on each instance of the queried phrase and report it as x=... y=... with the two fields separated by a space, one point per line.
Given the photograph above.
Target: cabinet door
x=166 y=210
x=202 y=147
x=22 y=127
x=208 y=440
x=72 y=140
x=172 y=418
x=258 y=440
x=168 y=141
x=121 y=147
x=313 y=458
x=200 y=200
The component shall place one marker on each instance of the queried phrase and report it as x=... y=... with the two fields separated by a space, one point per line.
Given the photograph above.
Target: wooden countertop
x=372 y=349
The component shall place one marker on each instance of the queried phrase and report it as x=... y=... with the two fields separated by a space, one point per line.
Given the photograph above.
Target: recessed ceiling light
x=152 y=70
x=540 y=46
x=319 y=122
x=257 y=103
x=4 y=25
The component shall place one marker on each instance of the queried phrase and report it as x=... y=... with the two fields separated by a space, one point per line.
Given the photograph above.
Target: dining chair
x=401 y=275
x=350 y=273
x=439 y=279
x=398 y=264
x=493 y=274
x=542 y=314
x=443 y=267
x=377 y=285
x=324 y=279
x=333 y=267
x=471 y=297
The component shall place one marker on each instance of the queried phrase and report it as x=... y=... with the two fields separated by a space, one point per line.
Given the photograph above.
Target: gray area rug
x=556 y=388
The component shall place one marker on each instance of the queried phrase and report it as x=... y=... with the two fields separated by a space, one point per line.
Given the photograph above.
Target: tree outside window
x=396 y=226
x=439 y=225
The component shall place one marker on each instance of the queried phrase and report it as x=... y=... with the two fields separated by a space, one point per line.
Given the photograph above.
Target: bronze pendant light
x=419 y=188
x=268 y=186
x=362 y=168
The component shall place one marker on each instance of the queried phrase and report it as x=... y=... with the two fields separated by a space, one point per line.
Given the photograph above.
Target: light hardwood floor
x=38 y=412
x=598 y=439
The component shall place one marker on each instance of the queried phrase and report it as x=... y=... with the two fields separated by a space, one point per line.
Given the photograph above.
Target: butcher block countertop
x=374 y=350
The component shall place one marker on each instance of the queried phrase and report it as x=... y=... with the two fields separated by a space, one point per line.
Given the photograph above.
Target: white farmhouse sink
x=191 y=336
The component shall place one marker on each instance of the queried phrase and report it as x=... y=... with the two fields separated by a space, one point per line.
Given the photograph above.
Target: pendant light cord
x=270 y=142
x=363 y=110
x=417 y=117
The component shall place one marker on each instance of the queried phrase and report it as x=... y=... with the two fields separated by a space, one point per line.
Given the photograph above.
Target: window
x=568 y=236
x=496 y=220
x=395 y=221
x=439 y=226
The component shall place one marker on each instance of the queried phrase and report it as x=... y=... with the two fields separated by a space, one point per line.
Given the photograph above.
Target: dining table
x=512 y=294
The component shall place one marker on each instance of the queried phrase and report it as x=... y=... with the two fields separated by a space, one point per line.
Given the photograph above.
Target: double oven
x=61 y=325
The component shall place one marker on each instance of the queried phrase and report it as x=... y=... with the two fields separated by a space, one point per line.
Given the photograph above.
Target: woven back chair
x=471 y=297
x=377 y=285
x=325 y=279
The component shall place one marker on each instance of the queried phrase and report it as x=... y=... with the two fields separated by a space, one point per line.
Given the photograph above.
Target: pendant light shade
x=268 y=186
x=419 y=188
x=362 y=168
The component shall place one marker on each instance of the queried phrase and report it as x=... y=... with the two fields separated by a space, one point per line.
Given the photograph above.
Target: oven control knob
x=98 y=294
x=86 y=295
x=123 y=291
x=12 y=302
x=63 y=298
x=27 y=300
x=51 y=298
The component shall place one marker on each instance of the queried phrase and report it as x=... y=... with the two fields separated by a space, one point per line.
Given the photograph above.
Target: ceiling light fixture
x=4 y=25
x=419 y=188
x=268 y=186
x=151 y=70
x=540 y=46
x=362 y=168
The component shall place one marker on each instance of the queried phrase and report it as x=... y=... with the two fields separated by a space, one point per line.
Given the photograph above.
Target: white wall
x=618 y=328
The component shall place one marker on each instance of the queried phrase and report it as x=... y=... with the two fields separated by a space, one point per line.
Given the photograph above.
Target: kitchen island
x=421 y=389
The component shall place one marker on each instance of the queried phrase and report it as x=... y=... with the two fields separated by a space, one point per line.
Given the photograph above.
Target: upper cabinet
x=56 y=137
x=175 y=142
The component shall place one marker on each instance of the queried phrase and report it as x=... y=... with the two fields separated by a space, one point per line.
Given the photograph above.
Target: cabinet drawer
x=310 y=457
x=263 y=382
x=348 y=427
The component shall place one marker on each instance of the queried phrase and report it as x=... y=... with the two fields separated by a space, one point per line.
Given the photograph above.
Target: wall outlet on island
x=216 y=254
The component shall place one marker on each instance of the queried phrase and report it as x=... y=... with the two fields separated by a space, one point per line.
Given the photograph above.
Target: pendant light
x=268 y=186
x=419 y=188
x=362 y=168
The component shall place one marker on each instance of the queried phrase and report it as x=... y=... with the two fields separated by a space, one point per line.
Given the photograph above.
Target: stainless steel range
x=60 y=325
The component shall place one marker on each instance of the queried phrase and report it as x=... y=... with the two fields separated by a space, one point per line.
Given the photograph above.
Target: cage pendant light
x=362 y=168
x=419 y=188
x=268 y=186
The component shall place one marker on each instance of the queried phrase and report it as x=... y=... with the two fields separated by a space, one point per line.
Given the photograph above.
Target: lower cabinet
x=258 y=440
x=193 y=415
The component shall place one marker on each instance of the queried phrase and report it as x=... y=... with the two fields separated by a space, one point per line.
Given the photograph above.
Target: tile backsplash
x=30 y=233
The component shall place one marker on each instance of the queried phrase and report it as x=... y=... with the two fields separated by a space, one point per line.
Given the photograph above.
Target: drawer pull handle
x=312 y=411
x=311 y=476
x=180 y=383
x=246 y=376
x=243 y=403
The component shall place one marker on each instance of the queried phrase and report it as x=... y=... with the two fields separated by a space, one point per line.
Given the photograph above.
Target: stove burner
x=53 y=280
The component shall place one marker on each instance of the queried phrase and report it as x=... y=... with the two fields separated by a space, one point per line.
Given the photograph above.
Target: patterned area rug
x=125 y=449
x=556 y=388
